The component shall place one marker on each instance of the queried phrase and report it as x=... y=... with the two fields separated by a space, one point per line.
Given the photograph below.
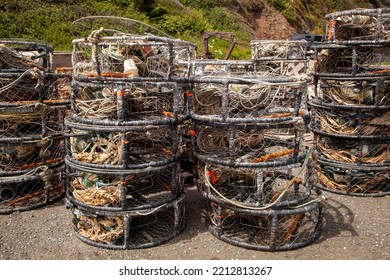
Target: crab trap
x=255 y=188
x=30 y=121
x=350 y=122
x=352 y=179
x=350 y=60
x=218 y=67
x=368 y=91
x=266 y=230
x=278 y=50
x=129 y=229
x=34 y=86
x=359 y=25
x=126 y=56
x=18 y=55
x=121 y=147
x=129 y=103
x=30 y=190
x=113 y=190
x=269 y=144
x=19 y=155
x=246 y=100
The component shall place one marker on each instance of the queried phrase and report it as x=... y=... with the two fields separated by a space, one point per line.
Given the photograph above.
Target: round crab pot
x=258 y=145
x=110 y=190
x=121 y=147
x=359 y=25
x=278 y=50
x=129 y=103
x=29 y=191
x=114 y=58
x=256 y=188
x=368 y=180
x=19 y=55
x=131 y=229
x=246 y=100
x=266 y=230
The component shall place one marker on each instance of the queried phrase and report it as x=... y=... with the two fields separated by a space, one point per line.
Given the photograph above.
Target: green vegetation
x=50 y=20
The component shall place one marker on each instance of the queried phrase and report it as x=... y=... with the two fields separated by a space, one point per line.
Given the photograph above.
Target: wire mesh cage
x=254 y=188
x=355 y=151
x=350 y=122
x=19 y=54
x=353 y=179
x=30 y=121
x=359 y=25
x=352 y=60
x=278 y=49
x=122 y=147
x=257 y=145
x=34 y=86
x=130 y=229
x=287 y=68
x=246 y=100
x=129 y=103
x=266 y=230
x=112 y=190
x=126 y=56
x=40 y=186
x=218 y=67
x=367 y=91
x=20 y=156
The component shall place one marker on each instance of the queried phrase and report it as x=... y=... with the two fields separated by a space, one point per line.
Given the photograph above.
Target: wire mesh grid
x=20 y=156
x=289 y=68
x=353 y=179
x=122 y=147
x=357 y=151
x=131 y=229
x=18 y=54
x=31 y=190
x=354 y=91
x=101 y=190
x=146 y=102
x=359 y=25
x=34 y=86
x=278 y=49
x=30 y=121
x=246 y=100
x=276 y=230
x=254 y=188
x=350 y=121
x=352 y=60
x=249 y=145
x=126 y=56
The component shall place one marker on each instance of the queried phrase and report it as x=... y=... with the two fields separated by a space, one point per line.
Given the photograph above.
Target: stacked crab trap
x=247 y=135
x=124 y=139
x=33 y=104
x=351 y=107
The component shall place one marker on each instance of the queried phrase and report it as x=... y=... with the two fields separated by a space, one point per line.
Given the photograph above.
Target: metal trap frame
x=121 y=147
x=36 y=188
x=356 y=91
x=129 y=103
x=352 y=59
x=255 y=188
x=116 y=58
x=359 y=25
x=21 y=54
x=129 y=190
x=266 y=230
x=364 y=180
x=278 y=50
x=245 y=100
x=249 y=145
x=129 y=229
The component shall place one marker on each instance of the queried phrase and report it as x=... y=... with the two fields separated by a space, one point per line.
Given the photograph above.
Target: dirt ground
x=355 y=228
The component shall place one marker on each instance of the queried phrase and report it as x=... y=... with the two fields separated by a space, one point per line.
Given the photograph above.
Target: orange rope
x=273 y=155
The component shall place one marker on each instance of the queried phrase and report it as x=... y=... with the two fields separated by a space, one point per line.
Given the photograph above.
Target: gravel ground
x=354 y=228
